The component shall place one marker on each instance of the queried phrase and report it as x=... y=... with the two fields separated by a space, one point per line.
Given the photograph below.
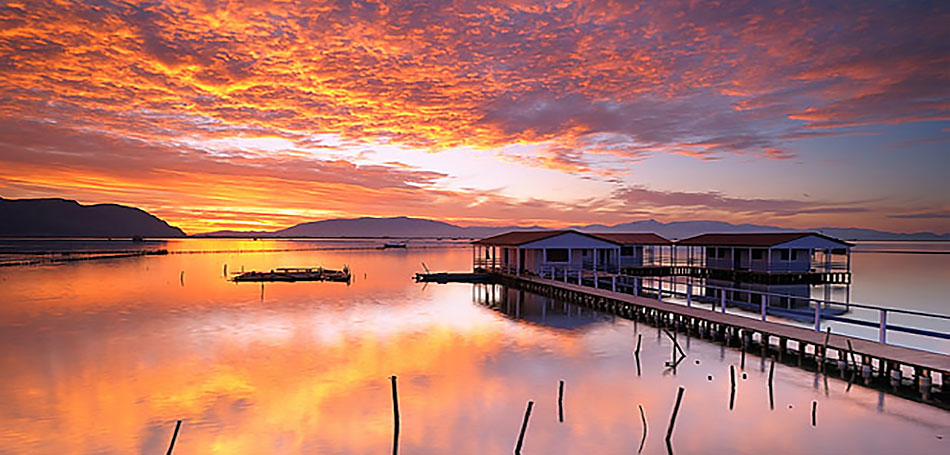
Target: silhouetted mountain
x=681 y=229
x=65 y=218
x=871 y=234
x=388 y=227
x=418 y=227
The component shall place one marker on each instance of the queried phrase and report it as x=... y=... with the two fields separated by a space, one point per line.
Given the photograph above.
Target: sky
x=254 y=114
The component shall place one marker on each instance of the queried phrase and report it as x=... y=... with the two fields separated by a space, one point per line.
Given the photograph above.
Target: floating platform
x=292 y=274
x=450 y=277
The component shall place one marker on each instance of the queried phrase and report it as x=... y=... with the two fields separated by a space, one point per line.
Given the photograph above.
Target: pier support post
x=689 y=295
x=722 y=299
x=882 y=330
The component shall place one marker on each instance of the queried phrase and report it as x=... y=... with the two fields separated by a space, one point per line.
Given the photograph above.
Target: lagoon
x=104 y=357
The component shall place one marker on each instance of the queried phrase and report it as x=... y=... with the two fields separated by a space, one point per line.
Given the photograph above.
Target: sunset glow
x=262 y=114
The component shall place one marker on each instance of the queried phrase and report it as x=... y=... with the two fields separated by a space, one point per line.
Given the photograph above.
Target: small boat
x=388 y=245
x=452 y=277
x=291 y=274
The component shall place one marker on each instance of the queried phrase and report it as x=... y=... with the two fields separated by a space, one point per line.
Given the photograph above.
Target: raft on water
x=452 y=277
x=291 y=274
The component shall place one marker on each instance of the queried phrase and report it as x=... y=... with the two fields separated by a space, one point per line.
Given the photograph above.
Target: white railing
x=659 y=287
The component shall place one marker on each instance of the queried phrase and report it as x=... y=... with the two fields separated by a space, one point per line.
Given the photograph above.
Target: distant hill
x=681 y=229
x=419 y=227
x=66 y=218
x=390 y=227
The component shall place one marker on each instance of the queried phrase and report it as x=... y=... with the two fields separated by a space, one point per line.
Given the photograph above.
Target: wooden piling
x=676 y=409
x=824 y=349
x=560 y=402
x=524 y=427
x=732 y=393
x=814 y=411
x=854 y=365
x=643 y=417
x=395 y=416
x=171 y=446
x=771 y=371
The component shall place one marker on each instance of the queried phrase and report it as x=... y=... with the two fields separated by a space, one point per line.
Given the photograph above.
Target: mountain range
x=66 y=218
x=418 y=227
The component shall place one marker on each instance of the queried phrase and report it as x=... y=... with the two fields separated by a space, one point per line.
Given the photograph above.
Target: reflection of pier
x=534 y=308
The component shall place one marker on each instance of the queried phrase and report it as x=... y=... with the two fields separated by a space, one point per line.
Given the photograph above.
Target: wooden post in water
x=771 y=371
x=560 y=401
x=524 y=427
x=643 y=417
x=732 y=392
x=824 y=349
x=395 y=416
x=814 y=412
x=676 y=409
x=174 y=437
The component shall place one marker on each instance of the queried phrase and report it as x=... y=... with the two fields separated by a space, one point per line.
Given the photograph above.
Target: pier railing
x=716 y=297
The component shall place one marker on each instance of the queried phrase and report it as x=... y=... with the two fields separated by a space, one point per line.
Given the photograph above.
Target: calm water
x=104 y=356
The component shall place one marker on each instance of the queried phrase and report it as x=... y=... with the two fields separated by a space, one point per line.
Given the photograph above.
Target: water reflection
x=535 y=309
x=104 y=357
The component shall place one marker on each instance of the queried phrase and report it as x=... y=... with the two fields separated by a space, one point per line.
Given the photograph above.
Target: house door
x=736 y=259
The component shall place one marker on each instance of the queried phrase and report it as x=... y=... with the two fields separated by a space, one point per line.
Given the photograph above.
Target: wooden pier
x=884 y=363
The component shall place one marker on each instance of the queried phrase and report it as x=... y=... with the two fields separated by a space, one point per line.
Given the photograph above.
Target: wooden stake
x=560 y=402
x=524 y=427
x=854 y=364
x=824 y=350
x=771 y=372
x=676 y=409
x=732 y=393
x=174 y=437
x=639 y=339
x=643 y=417
x=814 y=410
x=395 y=416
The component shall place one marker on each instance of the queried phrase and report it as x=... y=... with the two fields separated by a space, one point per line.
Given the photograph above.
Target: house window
x=758 y=254
x=711 y=252
x=556 y=255
x=783 y=254
x=799 y=255
x=626 y=251
x=722 y=253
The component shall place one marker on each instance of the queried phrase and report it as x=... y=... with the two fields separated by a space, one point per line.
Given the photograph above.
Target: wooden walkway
x=889 y=357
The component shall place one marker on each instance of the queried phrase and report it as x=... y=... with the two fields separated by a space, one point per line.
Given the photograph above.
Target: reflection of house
x=771 y=252
x=532 y=251
x=534 y=308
